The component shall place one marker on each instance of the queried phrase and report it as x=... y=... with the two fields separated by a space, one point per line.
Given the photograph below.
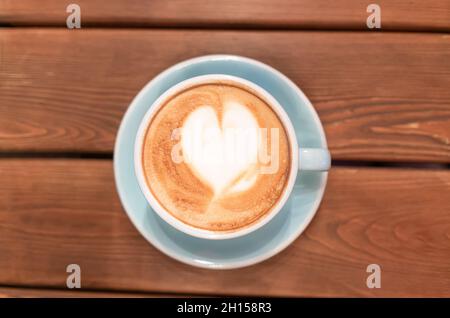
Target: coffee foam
x=223 y=153
x=212 y=191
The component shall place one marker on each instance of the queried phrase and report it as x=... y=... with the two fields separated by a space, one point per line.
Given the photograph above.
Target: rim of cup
x=166 y=215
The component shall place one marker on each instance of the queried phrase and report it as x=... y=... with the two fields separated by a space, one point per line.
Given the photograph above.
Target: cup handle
x=315 y=159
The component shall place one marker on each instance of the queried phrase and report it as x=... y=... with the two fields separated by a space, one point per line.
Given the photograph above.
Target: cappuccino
x=216 y=156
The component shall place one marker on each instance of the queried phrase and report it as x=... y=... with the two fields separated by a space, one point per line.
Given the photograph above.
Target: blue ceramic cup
x=302 y=159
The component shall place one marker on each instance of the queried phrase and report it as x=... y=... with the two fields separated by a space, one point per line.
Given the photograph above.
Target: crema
x=216 y=156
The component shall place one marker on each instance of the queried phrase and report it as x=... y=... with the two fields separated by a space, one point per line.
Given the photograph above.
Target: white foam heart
x=222 y=154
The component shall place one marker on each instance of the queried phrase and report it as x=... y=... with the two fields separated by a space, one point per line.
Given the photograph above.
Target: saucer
x=252 y=248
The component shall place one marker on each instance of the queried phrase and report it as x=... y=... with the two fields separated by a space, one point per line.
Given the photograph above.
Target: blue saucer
x=254 y=247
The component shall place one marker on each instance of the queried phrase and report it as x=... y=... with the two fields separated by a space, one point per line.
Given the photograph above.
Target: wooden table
x=383 y=97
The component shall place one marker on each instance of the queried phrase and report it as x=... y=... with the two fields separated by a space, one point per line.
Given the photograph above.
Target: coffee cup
x=173 y=206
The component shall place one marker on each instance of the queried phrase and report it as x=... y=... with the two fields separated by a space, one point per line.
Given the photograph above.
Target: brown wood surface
x=317 y=14
x=15 y=292
x=55 y=212
x=380 y=96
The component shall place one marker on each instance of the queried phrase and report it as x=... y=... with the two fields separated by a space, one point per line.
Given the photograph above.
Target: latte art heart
x=216 y=157
x=222 y=153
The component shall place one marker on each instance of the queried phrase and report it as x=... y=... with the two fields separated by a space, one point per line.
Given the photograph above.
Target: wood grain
x=381 y=96
x=57 y=212
x=429 y=15
x=15 y=292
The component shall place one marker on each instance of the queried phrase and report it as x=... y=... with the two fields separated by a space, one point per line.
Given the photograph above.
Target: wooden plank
x=381 y=96
x=56 y=212
x=316 y=14
x=15 y=292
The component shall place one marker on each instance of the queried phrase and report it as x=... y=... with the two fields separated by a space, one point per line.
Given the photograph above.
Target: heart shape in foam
x=222 y=150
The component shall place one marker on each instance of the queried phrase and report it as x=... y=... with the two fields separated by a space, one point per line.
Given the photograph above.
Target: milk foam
x=202 y=157
x=222 y=150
